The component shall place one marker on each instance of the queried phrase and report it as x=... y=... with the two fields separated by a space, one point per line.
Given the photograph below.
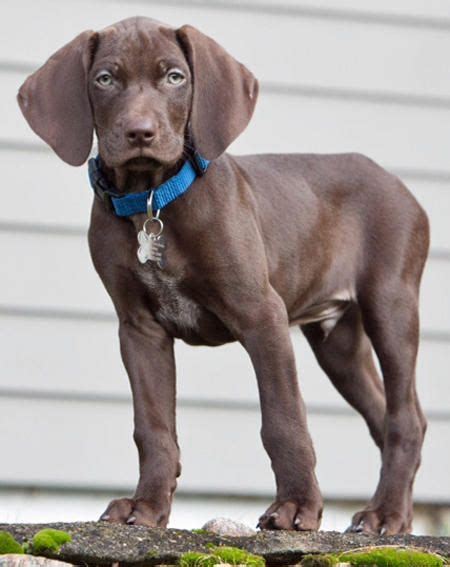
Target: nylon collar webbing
x=134 y=203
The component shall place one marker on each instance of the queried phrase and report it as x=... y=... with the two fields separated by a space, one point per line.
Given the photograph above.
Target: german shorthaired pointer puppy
x=196 y=244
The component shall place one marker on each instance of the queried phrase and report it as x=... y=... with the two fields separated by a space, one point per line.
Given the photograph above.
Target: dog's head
x=148 y=90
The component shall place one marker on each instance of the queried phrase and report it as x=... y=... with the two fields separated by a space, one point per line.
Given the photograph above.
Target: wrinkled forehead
x=136 y=43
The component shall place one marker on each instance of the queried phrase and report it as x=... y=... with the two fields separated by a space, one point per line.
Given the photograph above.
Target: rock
x=227 y=527
x=16 y=560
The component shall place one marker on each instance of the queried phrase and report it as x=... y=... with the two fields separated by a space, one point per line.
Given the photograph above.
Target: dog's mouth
x=142 y=163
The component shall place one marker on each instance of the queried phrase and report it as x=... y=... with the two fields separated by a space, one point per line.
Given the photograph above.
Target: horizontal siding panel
x=420 y=10
x=45 y=271
x=60 y=195
x=435 y=199
x=48 y=272
x=397 y=136
x=42 y=189
x=312 y=51
x=80 y=359
x=93 y=441
x=393 y=135
x=434 y=296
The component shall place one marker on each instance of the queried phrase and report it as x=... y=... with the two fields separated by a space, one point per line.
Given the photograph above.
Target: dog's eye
x=175 y=77
x=104 y=79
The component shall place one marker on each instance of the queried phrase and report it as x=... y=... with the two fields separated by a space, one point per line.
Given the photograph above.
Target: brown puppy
x=332 y=243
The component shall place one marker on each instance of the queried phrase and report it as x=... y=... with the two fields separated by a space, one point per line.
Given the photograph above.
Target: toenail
x=105 y=517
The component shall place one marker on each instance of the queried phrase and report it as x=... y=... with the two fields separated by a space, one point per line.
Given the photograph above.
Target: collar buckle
x=100 y=185
x=106 y=199
x=199 y=164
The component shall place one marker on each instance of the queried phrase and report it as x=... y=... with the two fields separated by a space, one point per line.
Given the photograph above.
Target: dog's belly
x=326 y=312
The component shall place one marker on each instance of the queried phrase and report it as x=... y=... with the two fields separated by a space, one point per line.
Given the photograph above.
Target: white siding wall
x=336 y=76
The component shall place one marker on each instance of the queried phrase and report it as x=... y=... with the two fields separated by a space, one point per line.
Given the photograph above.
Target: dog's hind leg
x=389 y=299
x=345 y=355
x=391 y=320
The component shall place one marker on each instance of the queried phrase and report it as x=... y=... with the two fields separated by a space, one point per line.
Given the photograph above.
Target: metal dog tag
x=151 y=248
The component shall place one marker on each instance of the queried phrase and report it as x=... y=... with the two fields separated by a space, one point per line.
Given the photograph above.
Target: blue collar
x=134 y=203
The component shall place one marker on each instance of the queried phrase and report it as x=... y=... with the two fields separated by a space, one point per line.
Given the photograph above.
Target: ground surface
x=102 y=543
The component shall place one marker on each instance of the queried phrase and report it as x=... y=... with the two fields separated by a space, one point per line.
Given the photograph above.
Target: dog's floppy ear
x=224 y=94
x=55 y=102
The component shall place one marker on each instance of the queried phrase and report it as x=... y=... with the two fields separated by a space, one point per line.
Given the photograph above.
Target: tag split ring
x=160 y=224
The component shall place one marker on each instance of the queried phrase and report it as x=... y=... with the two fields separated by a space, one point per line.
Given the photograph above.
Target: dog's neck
x=127 y=181
x=128 y=192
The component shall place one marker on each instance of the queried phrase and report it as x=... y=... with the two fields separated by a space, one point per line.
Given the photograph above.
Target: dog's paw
x=291 y=515
x=134 y=511
x=380 y=522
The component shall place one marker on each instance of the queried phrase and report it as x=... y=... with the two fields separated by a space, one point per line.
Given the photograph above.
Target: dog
x=237 y=248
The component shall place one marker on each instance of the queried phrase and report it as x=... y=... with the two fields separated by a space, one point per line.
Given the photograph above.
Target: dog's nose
x=141 y=133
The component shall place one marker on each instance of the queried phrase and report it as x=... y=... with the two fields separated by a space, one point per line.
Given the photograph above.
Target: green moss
x=8 y=544
x=392 y=557
x=379 y=557
x=218 y=555
x=194 y=559
x=49 y=541
x=235 y=556
x=200 y=531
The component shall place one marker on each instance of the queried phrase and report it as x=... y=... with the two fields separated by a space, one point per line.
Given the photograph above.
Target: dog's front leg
x=284 y=432
x=147 y=353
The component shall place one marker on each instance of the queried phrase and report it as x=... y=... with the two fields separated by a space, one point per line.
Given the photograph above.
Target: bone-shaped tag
x=151 y=248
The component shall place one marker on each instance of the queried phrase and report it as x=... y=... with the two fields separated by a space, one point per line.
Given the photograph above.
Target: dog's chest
x=173 y=308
